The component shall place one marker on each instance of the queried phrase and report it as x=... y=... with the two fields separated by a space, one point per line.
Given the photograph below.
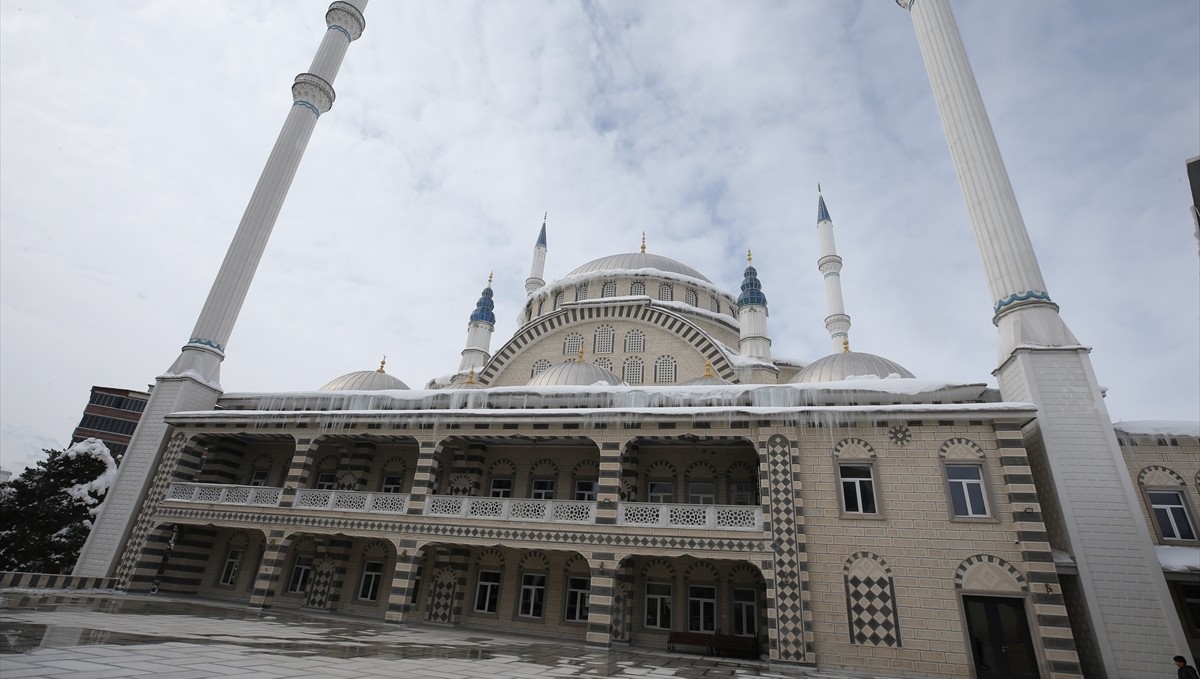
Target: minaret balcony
x=470 y=508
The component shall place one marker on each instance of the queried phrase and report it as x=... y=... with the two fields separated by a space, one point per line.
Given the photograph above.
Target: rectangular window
x=326 y=481
x=967 y=497
x=372 y=576
x=487 y=593
x=585 y=490
x=501 y=488
x=577 y=599
x=533 y=595
x=702 y=609
x=702 y=493
x=662 y=491
x=742 y=494
x=298 y=583
x=1171 y=515
x=745 y=613
x=259 y=477
x=232 y=563
x=391 y=484
x=858 y=489
x=543 y=489
x=658 y=605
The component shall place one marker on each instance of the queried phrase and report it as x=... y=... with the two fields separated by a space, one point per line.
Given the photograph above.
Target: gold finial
x=708 y=371
x=581 y=354
x=643 y=242
x=490 y=274
x=845 y=346
x=382 y=363
x=749 y=257
x=471 y=376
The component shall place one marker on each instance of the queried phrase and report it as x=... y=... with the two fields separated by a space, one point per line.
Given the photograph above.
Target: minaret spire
x=538 y=269
x=752 y=314
x=830 y=265
x=193 y=380
x=1092 y=505
x=479 y=332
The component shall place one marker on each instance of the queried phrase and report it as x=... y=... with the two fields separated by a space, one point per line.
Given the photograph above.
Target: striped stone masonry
x=18 y=580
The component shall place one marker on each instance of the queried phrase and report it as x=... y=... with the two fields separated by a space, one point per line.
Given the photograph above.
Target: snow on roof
x=1159 y=428
x=1174 y=558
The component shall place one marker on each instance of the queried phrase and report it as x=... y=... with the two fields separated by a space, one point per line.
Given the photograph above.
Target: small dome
x=365 y=380
x=709 y=378
x=468 y=383
x=849 y=365
x=638 y=260
x=577 y=373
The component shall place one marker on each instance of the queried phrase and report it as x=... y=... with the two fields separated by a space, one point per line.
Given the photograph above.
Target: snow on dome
x=579 y=373
x=638 y=260
x=364 y=380
x=850 y=365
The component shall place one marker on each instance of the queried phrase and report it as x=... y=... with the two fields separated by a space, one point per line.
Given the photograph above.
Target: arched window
x=572 y=344
x=609 y=289
x=635 y=341
x=637 y=288
x=604 y=340
x=632 y=370
x=539 y=366
x=664 y=369
x=714 y=305
x=690 y=297
x=559 y=299
x=665 y=293
x=603 y=363
x=580 y=292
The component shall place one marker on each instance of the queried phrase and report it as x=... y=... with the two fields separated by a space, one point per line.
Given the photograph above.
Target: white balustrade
x=711 y=517
x=511 y=509
x=262 y=496
x=224 y=494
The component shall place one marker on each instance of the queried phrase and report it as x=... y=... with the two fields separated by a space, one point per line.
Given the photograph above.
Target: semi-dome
x=638 y=260
x=850 y=365
x=575 y=373
x=365 y=380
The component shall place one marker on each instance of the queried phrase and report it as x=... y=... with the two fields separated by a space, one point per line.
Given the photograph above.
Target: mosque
x=633 y=466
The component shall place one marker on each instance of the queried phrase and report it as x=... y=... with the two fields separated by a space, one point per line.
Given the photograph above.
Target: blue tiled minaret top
x=483 y=308
x=822 y=211
x=751 y=288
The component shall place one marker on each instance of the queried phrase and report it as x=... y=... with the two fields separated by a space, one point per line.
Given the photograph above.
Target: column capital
x=344 y=17
x=314 y=91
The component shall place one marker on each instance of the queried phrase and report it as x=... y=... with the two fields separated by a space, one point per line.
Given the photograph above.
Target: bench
x=690 y=639
x=744 y=647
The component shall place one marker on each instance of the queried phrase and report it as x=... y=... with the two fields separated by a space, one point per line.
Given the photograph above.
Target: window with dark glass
x=533 y=595
x=967 y=497
x=745 y=612
x=858 y=489
x=1170 y=514
x=233 y=561
x=487 y=593
x=372 y=575
x=658 y=605
x=577 y=599
x=702 y=608
x=301 y=570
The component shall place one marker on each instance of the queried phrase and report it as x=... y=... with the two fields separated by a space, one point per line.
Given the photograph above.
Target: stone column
x=403 y=580
x=608 y=490
x=266 y=580
x=426 y=475
x=601 y=599
x=299 y=470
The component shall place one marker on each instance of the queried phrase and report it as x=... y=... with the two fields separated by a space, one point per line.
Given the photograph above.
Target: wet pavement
x=92 y=636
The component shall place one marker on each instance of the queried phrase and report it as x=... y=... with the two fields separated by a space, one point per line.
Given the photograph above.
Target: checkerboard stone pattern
x=320 y=587
x=871 y=601
x=787 y=631
x=441 y=597
x=167 y=471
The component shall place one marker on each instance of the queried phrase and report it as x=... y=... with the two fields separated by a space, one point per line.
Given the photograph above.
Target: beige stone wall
x=1180 y=455
x=689 y=362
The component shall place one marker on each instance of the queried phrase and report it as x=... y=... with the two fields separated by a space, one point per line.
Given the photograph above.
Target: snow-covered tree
x=47 y=512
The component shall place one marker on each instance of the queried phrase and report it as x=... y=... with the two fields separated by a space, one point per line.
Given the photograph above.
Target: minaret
x=1092 y=509
x=479 y=332
x=538 y=269
x=837 y=322
x=752 y=315
x=193 y=380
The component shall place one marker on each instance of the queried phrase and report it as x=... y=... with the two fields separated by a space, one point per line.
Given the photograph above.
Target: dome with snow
x=847 y=365
x=575 y=373
x=365 y=380
x=709 y=378
x=638 y=260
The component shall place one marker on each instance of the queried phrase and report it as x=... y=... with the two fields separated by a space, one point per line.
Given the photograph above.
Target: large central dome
x=631 y=261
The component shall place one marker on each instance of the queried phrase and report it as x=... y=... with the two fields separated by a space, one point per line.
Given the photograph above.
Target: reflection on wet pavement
x=56 y=634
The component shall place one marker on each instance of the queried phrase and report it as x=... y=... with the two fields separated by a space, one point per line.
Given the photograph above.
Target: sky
x=132 y=134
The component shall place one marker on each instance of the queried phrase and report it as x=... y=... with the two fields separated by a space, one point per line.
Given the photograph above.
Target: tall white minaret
x=837 y=322
x=193 y=380
x=752 y=315
x=538 y=269
x=479 y=332
x=1093 y=510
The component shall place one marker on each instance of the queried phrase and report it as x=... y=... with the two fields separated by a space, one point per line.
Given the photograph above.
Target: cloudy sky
x=131 y=136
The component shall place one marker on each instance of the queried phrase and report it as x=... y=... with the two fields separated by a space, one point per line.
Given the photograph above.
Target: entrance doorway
x=1000 y=642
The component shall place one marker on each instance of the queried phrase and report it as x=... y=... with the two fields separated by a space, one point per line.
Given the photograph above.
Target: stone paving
x=93 y=636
